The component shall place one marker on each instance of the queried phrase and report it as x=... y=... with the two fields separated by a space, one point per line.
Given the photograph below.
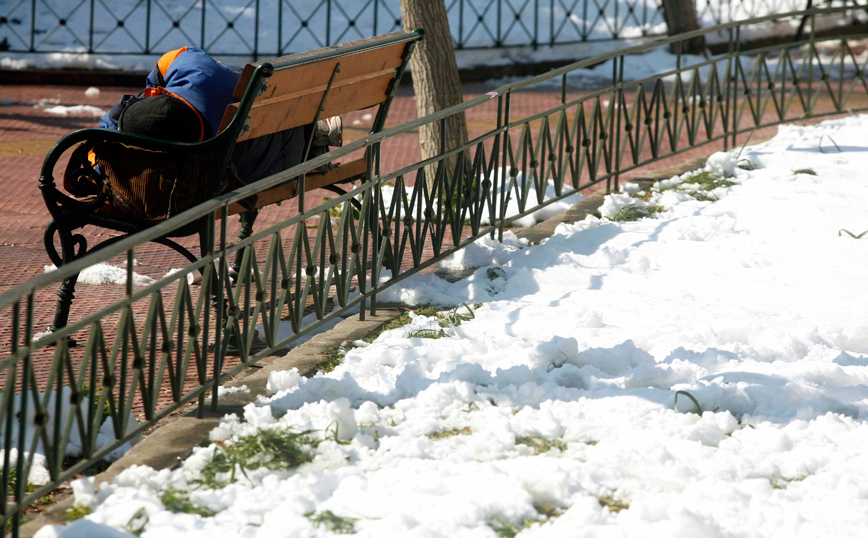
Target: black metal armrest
x=57 y=201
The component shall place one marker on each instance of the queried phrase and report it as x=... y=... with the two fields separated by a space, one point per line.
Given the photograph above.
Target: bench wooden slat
x=301 y=77
x=300 y=108
x=342 y=173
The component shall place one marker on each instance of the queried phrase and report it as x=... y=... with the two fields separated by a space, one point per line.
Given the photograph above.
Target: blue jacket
x=191 y=74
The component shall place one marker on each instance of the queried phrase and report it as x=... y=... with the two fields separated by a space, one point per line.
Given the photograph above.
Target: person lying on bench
x=184 y=101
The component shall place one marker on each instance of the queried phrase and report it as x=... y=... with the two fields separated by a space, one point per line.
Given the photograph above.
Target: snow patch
x=76 y=110
x=103 y=273
x=560 y=390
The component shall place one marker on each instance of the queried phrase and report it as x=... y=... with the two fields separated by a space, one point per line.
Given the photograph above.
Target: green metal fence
x=166 y=338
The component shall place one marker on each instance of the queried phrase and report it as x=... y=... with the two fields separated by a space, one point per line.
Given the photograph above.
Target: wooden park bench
x=273 y=95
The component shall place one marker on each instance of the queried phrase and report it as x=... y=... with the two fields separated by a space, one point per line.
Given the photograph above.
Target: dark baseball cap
x=164 y=117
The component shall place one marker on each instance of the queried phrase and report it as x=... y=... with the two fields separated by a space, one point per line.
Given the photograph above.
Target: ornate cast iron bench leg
x=66 y=294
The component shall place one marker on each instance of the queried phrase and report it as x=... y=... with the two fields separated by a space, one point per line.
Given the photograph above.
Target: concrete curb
x=173 y=441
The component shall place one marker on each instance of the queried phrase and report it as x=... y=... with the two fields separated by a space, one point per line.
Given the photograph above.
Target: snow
x=485 y=251
x=540 y=215
x=223 y=391
x=51 y=106
x=38 y=474
x=750 y=303
x=722 y=164
x=636 y=67
x=76 y=110
x=660 y=62
x=513 y=208
x=284 y=328
x=103 y=273
x=616 y=202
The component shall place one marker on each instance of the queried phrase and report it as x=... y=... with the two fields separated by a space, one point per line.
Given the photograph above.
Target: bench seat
x=275 y=195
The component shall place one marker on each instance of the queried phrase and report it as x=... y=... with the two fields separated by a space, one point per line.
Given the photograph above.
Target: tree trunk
x=435 y=80
x=680 y=17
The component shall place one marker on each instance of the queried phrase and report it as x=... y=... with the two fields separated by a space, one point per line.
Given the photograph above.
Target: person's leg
x=267 y=155
x=329 y=132
x=261 y=157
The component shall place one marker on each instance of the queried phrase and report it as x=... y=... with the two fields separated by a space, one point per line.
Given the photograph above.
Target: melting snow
x=103 y=273
x=76 y=110
x=751 y=304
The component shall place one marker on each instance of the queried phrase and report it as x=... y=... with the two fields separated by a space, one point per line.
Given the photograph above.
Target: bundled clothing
x=186 y=96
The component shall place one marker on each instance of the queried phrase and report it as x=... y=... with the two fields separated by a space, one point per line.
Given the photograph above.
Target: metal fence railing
x=268 y=28
x=164 y=338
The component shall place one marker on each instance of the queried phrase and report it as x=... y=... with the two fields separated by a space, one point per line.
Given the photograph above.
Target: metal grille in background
x=268 y=28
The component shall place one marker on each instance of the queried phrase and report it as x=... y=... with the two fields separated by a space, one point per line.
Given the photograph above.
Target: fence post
x=21 y=469
x=125 y=347
x=376 y=228
x=499 y=163
x=498 y=42
x=280 y=27
x=208 y=282
x=328 y=23
x=535 y=24
x=90 y=29
x=202 y=30
x=619 y=65
x=148 y=28
x=734 y=78
x=728 y=86
x=552 y=23
x=256 y=33
x=10 y=417
x=501 y=207
x=221 y=308
x=32 y=29
x=811 y=51
x=460 y=43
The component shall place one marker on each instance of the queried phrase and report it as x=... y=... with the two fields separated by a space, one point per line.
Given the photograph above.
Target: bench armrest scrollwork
x=57 y=201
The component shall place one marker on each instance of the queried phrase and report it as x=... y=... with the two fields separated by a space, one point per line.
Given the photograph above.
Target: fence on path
x=268 y=28
x=336 y=258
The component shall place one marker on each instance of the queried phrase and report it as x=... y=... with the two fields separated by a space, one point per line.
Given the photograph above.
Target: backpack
x=143 y=186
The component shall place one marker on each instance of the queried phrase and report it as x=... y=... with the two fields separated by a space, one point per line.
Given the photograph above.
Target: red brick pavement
x=27 y=133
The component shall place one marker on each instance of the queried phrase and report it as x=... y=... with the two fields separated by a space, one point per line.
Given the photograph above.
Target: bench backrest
x=296 y=89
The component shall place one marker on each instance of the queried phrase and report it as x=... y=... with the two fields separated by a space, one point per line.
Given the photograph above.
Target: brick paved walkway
x=27 y=132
